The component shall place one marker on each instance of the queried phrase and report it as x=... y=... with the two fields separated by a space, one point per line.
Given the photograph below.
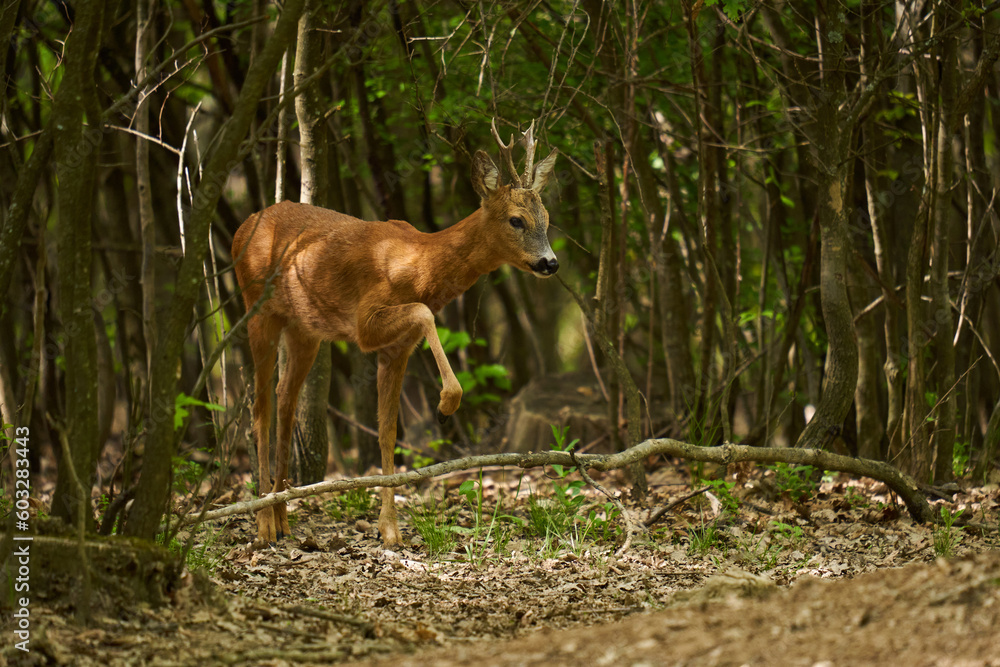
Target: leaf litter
x=841 y=575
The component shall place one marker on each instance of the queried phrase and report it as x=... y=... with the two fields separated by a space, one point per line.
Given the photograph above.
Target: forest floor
x=785 y=569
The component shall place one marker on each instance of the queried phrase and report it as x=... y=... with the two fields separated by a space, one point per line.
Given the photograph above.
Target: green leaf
x=485 y=397
x=466 y=379
x=730 y=7
x=468 y=489
x=496 y=372
x=451 y=340
x=183 y=401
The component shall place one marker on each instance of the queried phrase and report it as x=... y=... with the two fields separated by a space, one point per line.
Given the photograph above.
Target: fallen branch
x=301 y=610
x=902 y=484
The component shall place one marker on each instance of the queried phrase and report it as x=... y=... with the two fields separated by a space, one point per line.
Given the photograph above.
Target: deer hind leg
x=391 y=369
x=263 y=332
x=301 y=350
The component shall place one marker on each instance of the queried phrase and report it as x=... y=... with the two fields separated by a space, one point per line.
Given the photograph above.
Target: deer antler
x=505 y=153
x=529 y=156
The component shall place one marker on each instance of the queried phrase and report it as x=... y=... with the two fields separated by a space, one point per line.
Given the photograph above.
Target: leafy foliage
x=795 y=480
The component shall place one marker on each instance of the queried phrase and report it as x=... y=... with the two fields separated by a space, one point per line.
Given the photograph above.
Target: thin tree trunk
x=144 y=194
x=607 y=315
x=870 y=427
x=830 y=154
x=879 y=217
x=310 y=441
x=981 y=244
x=76 y=151
x=673 y=304
x=915 y=440
x=943 y=436
x=841 y=369
x=8 y=17
x=715 y=296
x=704 y=415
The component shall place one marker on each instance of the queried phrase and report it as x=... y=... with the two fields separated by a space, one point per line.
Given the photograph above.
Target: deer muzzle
x=545 y=267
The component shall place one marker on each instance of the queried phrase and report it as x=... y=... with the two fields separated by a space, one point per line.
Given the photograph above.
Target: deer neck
x=457 y=257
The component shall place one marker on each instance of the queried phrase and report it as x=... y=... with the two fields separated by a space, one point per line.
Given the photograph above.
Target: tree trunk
x=673 y=303
x=841 y=370
x=144 y=194
x=943 y=436
x=715 y=298
x=77 y=147
x=607 y=315
x=831 y=150
x=870 y=427
x=879 y=219
x=310 y=441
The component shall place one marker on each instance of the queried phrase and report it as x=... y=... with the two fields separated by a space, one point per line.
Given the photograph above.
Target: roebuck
x=376 y=284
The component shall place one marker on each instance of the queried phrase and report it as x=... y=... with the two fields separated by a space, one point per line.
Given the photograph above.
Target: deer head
x=513 y=213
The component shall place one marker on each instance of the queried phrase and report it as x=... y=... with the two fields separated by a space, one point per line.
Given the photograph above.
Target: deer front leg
x=401 y=328
x=394 y=331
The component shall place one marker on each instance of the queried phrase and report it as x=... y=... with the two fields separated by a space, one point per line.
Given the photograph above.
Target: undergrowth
x=557 y=517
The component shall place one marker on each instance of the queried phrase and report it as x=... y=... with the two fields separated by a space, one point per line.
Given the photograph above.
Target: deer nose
x=546 y=266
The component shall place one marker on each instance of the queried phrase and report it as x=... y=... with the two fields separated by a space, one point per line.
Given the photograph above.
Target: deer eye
x=517 y=223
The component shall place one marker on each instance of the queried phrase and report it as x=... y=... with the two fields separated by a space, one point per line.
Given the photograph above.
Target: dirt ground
x=841 y=577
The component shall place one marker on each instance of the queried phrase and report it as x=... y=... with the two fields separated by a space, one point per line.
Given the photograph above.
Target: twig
x=680 y=501
x=301 y=610
x=258 y=656
x=367 y=429
x=593 y=358
x=142 y=135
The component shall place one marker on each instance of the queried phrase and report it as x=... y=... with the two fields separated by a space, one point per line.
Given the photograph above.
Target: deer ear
x=542 y=172
x=485 y=175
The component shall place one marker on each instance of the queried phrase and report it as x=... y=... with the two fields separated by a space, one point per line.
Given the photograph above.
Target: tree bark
x=943 y=435
x=8 y=17
x=14 y=222
x=841 y=370
x=144 y=193
x=607 y=315
x=77 y=139
x=831 y=135
x=310 y=441
x=715 y=298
